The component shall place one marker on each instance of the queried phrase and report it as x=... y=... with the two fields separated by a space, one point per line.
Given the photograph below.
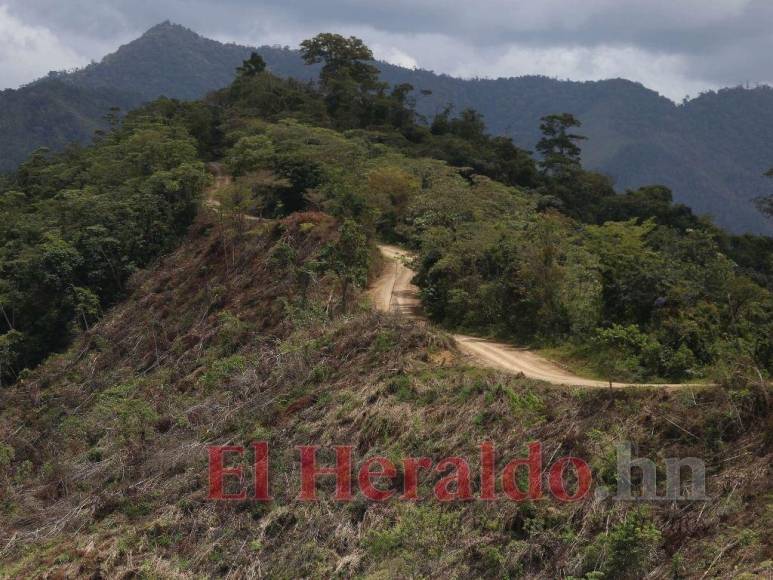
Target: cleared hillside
x=105 y=447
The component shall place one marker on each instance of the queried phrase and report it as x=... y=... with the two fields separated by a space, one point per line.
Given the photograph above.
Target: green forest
x=77 y=225
x=710 y=150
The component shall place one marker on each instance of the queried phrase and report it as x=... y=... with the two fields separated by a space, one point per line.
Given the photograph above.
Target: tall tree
x=349 y=83
x=342 y=58
x=252 y=66
x=559 y=147
x=349 y=258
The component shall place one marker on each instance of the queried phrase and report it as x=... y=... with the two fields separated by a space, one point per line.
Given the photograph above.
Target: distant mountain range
x=712 y=150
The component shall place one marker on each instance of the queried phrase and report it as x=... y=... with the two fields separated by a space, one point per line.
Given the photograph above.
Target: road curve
x=394 y=292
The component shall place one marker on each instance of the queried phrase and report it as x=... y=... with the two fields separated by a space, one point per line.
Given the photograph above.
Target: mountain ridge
x=709 y=151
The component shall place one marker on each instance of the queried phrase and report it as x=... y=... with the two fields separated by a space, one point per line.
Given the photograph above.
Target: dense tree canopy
x=77 y=225
x=252 y=66
x=341 y=58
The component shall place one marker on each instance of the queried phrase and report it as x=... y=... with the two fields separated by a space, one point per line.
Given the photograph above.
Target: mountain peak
x=168 y=27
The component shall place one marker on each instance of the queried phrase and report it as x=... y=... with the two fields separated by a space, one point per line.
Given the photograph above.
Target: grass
x=572 y=359
x=110 y=478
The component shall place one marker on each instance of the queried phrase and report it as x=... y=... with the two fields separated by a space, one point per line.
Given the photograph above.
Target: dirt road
x=393 y=292
x=222 y=179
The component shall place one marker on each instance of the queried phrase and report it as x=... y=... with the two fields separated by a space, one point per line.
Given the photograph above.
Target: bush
x=249 y=154
x=120 y=406
x=628 y=550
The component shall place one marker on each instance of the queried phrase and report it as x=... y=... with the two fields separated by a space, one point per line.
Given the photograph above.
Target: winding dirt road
x=394 y=292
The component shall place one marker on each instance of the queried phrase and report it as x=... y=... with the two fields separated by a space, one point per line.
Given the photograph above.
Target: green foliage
x=6 y=455
x=558 y=146
x=646 y=137
x=11 y=352
x=250 y=153
x=390 y=189
x=54 y=114
x=221 y=370
x=122 y=408
x=400 y=386
x=342 y=58
x=622 y=352
x=345 y=76
x=463 y=142
x=417 y=541
x=627 y=550
x=489 y=262
x=82 y=223
x=639 y=279
x=349 y=258
x=252 y=66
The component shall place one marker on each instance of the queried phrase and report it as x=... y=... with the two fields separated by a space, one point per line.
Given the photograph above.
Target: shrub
x=120 y=406
x=222 y=369
x=249 y=154
x=628 y=550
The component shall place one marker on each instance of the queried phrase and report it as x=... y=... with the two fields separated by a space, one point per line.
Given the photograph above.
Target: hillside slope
x=51 y=113
x=168 y=60
x=68 y=107
x=711 y=151
x=105 y=457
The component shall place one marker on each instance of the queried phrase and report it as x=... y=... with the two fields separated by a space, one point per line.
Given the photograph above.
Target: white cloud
x=394 y=55
x=676 y=47
x=28 y=52
x=666 y=73
x=669 y=74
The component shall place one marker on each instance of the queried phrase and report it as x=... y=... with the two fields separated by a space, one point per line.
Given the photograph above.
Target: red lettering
x=487 y=475
x=218 y=473
x=459 y=479
x=367 y=476
x=411 y=466
x=534 y=466
x=556 y=479
x=310 y=472
x=261 y=471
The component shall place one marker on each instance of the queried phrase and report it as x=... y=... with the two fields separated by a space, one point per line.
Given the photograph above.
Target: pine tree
x=558 y=147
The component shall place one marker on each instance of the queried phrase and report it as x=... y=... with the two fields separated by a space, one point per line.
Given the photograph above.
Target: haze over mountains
x=712 y=150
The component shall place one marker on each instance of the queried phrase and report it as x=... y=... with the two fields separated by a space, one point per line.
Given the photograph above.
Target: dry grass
x=218 y=344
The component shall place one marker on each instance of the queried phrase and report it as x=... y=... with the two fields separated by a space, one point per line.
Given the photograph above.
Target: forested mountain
x=64 y=107
x=52 y=113
x=711 y=151
x=167 y=60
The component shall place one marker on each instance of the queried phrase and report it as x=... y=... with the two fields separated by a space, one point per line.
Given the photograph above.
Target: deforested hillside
x=180 y=318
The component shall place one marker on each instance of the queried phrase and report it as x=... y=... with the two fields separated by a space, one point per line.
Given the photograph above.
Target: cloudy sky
x=677 y=47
